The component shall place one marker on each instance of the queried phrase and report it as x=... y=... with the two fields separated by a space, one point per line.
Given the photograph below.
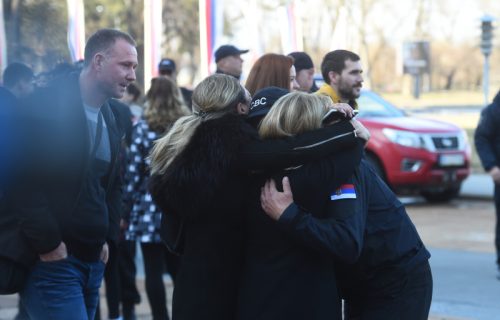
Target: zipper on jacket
x=325 y=141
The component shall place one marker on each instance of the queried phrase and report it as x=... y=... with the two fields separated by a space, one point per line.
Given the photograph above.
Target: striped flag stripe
x=76 y=29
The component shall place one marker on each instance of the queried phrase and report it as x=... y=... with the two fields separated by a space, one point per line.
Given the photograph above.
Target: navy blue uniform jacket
x=368 y=232
x=487 y=135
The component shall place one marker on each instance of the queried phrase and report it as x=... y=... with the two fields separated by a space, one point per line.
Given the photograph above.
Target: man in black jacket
x=487 y=140
x=66 y=205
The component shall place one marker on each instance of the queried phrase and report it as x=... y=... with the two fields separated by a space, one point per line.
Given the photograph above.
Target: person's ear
x=242 y=108
x=98 y=60
x=333 y=76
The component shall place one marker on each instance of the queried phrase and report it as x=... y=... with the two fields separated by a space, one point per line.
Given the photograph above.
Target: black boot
x=128 y=312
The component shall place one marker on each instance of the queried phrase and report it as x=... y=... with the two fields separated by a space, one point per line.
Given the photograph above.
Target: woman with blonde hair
x=303 y=114
x=272 y=70
x=164 y=105
x=200 y=182
x=381 y=263
x=283 y=278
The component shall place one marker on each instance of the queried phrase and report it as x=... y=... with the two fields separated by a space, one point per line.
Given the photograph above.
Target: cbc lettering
x=258 y=102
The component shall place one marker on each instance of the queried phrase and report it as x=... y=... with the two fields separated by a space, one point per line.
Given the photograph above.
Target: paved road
x=460 y=237
x=465 y=286
x=478 y=186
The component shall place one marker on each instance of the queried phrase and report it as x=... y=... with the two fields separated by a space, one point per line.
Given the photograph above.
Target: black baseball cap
x=226 y=51
x=167 y=64
x=264 y=99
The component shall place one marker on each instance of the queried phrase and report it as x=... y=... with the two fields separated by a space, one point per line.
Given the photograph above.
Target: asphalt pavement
x=465 y=286
x=477 y=186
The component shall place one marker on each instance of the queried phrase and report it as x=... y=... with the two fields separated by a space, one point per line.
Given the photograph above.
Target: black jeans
x=409 y=299
x=119 y=277
x=157 y=261
x=497 y=225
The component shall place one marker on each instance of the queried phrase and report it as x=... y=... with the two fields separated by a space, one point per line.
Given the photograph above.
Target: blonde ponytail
x=214 y=97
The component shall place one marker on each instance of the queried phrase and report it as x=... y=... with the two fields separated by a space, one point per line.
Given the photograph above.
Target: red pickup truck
x=414 y=155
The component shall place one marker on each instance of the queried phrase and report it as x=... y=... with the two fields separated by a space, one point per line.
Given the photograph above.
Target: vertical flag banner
x=211 y=29
x=3 y=41
x=76 y=29
x=341 y=34
x=255 y=41
x=291 y=29
x=153 y=32
x=204 y=37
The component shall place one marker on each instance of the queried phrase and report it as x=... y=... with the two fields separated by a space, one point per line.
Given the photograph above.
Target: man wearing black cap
x=304 y=68
x=167 y=68
x=228 y=60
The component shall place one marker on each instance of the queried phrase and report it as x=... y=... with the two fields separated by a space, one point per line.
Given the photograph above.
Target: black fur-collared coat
x=204 y=187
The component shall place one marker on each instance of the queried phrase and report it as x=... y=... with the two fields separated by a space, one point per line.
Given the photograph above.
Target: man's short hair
x=16 y=72
x=335 y=61
x=102 y=40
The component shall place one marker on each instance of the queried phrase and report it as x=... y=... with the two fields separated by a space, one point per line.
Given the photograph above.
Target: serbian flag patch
x=345 y=191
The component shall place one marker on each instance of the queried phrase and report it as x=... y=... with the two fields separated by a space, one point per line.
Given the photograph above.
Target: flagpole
x=3 y=41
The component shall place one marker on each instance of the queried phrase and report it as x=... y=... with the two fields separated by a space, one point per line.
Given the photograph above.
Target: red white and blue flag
x=76 y=29
x=345 y=191
x=291 y=28
x=153 y=33
x=211 y=25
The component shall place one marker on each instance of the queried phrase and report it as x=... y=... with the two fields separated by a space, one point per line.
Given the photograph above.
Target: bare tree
x=36 y=32
x=13 y=27
x=182 y=32
x=125 y=15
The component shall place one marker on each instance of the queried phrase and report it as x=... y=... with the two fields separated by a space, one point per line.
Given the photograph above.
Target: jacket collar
x=327 y=90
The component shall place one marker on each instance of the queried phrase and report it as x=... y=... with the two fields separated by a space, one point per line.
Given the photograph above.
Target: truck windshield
x=372 y=105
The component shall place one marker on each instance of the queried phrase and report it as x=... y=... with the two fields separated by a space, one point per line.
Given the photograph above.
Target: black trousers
x=408 y=299
x=119 y=277
x=497 y=225
x=157 y=261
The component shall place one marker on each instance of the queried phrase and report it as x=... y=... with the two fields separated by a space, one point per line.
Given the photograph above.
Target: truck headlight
x=404 y=138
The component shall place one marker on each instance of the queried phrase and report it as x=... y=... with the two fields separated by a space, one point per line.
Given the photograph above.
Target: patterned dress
x=145 y=217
